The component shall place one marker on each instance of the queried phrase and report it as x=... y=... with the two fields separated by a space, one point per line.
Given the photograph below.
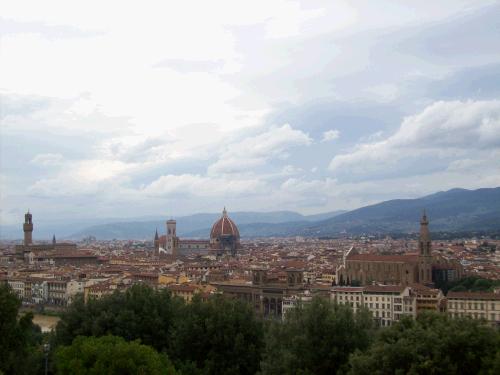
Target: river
x=46 y=322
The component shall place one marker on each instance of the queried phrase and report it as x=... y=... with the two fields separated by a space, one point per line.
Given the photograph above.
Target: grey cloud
x=478 y=82
x=14 y=105
x=452 y=41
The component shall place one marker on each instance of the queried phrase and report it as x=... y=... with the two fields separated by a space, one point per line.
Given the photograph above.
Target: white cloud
x=442 y=130
x=83 y=177
x=330 y=135
x=256 y=150
x=201 y=186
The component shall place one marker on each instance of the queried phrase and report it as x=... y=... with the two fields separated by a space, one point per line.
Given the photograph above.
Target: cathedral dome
x=224 y=227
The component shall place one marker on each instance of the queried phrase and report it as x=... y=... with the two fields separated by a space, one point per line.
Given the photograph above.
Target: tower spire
x=424 y=217
x=425 y=238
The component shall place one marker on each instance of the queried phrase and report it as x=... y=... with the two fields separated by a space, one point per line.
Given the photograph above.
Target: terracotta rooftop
x=182 y=288
x=384 y=288
x=474 y=295
x=347 y=289
x=410 y=258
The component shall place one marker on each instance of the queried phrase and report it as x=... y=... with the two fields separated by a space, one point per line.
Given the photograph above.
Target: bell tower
x=28 y=229
x=157 y=243
x=425 y=252
x=171 y=241
x=424 y=244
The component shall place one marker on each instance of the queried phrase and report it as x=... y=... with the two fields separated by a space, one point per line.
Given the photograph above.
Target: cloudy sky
x=129 y=109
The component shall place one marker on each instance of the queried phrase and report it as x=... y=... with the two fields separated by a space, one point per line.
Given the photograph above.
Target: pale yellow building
x=172 y=278
x=387 y=303
x=476 y=305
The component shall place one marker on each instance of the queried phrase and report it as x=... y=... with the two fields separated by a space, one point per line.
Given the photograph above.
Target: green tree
x=219 y=336
x=470 y=283
x=431 y=344
x=138 y=313
x=110 y=355
x=315 y=339
x=19 y=339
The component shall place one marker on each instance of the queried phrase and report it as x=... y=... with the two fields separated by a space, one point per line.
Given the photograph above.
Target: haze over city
x=117 y=109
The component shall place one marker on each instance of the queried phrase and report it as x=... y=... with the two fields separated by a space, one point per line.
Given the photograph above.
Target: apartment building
x=387 y=303
x=476 y=305
x=18 y=286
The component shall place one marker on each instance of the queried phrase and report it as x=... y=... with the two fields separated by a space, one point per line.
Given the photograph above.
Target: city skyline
x=303 y=106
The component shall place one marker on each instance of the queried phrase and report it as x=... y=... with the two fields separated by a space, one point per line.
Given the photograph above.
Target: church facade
x=224 y=240
x=407 y=269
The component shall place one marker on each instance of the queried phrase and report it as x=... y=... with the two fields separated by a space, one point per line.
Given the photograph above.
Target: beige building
x=429 y=299
x=186 y=292
x=387 y=303
x=476 y=305
x=18 y=286
x=99 y=290
x=172 y=278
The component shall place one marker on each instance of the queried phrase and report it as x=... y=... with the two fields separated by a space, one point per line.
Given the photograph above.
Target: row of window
x=377 y=306
x=475 y=315
x=350 y=297
x=470 y=305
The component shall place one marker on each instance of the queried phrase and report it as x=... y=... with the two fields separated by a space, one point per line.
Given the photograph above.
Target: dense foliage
x=219 y=336
x=431 y=344
x=471 y=283
x=110 y=355
x=316 y=339
x=19 y=338
x=147 y=331
x=138 y=313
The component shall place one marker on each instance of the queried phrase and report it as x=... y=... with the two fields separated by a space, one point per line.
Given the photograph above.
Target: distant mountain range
x=452 y=211
x=197 y=225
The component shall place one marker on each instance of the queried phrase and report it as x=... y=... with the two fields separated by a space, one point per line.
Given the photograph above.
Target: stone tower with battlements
x=28 y=229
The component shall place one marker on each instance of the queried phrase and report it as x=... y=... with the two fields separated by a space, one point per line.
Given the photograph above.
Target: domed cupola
x=224 y=236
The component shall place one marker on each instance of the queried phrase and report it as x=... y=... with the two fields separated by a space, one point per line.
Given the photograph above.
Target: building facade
x=387 y=303
x=476 y=305
x=406 y=269
x=264 y=294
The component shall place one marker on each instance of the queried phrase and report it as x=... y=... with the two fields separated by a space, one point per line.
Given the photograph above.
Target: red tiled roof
x=181 y=288
x=74 y=255
x=384 y=258
x=384 y=288
x=347 y=289
x=224 y=227
x=473 y=295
